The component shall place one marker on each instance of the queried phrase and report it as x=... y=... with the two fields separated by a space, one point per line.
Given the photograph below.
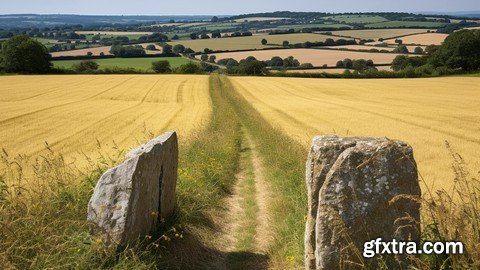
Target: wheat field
x=423 y=112
x=77 y=114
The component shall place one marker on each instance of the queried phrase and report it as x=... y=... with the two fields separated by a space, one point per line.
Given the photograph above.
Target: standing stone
x=130 y=199
x=359 y=189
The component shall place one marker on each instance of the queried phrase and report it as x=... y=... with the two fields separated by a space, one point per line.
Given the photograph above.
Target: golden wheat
x=422 y=112
x=77 y=114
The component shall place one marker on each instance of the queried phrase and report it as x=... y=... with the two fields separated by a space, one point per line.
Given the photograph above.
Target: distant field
x=112 y=33
x=331 y=70
x=405 y=24
x=246 y=43
x=47 y=41
x=317 y=57
x=365 y=47
x=193 y=24
x=213 y=26
x=380 y=33
x=98 y=50
x=313 y=25
x=357 y=18
x=260 y=19
x=72 y=112
x=142 y=63
x=423 y=112
x=423 y=39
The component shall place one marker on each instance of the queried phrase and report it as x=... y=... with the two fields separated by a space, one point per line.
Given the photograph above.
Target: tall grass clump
x=284 y=162
x=454 y=215
x=43 y=213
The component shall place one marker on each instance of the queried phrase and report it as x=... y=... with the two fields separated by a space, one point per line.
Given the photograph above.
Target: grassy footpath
x=284 y=162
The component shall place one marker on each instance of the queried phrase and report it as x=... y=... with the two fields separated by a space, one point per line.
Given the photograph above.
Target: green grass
x=245 y=235
x=313 y=25
x=392 y=24
x=285 y=173
x=357 y=18
x=142 y=63
x=130 y=36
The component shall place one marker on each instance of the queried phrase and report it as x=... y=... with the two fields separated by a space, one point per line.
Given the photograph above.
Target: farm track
x=248 y=234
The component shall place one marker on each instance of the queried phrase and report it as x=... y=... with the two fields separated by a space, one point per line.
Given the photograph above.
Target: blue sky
x=226 y=7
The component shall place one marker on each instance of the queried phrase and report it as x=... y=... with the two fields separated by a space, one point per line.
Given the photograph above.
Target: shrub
x=151 y=47
x=189 y=68
x=85 y=66
x=161 y=66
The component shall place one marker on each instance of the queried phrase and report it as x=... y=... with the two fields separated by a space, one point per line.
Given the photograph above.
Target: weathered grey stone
x=130 y=199
x=359 y=189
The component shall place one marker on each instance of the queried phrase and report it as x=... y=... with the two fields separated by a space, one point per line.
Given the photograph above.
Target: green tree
x=167 y=48
x=179 y=48
x=214 y=19
x=85 y=66
x=401 y=49
x=151 y=47
x=460 y=50
x=306 y=65
x=418 y=50
x=204 y=57
x=162 y=66
x=286 y=43
x=290 y=62
x=212 y=58
x=264 y=42
x=339 y=64
x=24 y=55
x=189 y=68
x=348 y=63
x=276 y=61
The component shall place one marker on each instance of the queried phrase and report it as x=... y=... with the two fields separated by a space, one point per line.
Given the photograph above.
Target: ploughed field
x=75 y=113
x=423 y=112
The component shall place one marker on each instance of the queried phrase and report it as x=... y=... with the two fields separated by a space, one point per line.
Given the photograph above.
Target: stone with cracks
x=359 y=189
x=130 y=200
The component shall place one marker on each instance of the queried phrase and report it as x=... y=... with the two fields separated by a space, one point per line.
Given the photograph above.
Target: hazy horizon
x=228 y=7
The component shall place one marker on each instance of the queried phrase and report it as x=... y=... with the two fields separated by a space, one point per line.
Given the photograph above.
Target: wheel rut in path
x=248 y=232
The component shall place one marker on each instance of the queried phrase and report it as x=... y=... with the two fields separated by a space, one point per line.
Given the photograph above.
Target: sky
x=227 y=7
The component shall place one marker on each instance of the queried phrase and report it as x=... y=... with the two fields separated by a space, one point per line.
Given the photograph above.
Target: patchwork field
x=405 y=24
x=260 y=19
x=357 y=18
x=112 y=33
x=367 y=47
x=331 y=70
x=246 y=43
x=97 y=50
x=380 y=33
x=317 y=57
x=423 y=39
x=141 y=63
x=423 y=112
x=75 y=113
